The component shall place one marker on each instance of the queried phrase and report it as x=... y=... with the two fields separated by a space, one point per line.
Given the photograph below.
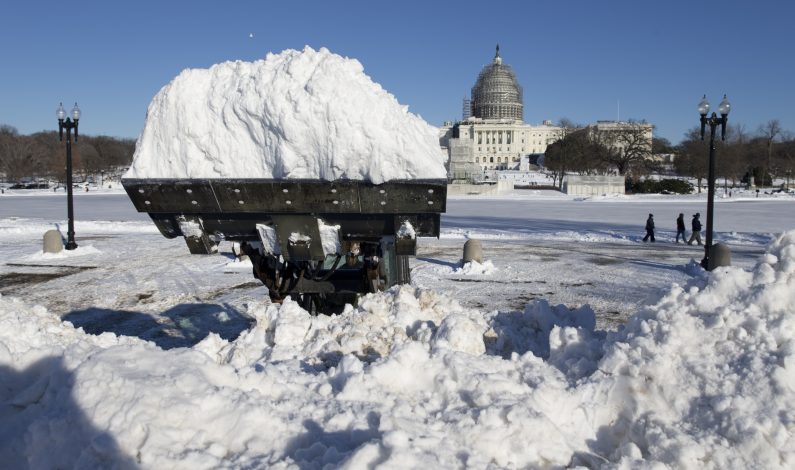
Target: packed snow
x=295 y=115
x=142 y=355
x=704 y=378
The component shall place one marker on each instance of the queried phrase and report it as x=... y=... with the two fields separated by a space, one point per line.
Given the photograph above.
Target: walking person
x=649 y=228
x=680 y=228
x=696 y=226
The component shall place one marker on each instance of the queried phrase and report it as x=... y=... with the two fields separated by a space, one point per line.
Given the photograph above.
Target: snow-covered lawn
x=130 y=351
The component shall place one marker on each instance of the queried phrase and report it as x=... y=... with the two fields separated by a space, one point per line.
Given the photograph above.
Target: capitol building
x=492 y=134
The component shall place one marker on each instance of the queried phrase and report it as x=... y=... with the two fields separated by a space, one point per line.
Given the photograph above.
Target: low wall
x=578 y=185
x=455 y=189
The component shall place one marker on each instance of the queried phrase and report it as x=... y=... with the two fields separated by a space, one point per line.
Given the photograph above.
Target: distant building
x=593 y=185
x=621 y=135
x=493 y=135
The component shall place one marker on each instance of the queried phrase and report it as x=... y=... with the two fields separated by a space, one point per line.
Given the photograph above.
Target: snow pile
x=473 y=268
x=63 y=254
x=708 y=375
x=238 y=264
x=16 y=228
x=705 y=378
x=297 y=114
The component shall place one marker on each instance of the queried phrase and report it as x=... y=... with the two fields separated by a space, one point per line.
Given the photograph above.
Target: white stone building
x=621 y=135
x=493 y=135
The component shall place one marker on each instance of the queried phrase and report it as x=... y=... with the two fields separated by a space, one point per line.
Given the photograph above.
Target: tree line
x=43 y=156
x=766 y=154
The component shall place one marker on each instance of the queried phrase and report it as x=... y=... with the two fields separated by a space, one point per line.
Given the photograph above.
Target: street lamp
x=68 y=124
x=713 y=121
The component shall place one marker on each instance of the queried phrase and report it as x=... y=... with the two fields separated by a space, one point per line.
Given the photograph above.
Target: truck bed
x=231 y=208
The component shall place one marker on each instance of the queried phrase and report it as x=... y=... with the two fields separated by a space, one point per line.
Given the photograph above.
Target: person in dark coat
x=680 y=228
x=649 y=228
x=696 y=225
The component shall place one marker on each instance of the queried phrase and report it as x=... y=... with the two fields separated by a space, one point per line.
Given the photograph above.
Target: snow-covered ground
x=572 y=344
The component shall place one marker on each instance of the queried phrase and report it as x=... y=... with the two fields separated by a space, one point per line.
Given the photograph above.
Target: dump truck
x=323 y=243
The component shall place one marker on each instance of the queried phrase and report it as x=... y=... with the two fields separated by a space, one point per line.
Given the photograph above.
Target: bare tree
x=629 y=145
x=691 y=157
x=661 y=145
x=732 y=162
x=771 y=130
x=49 y=154
x=561 y=154
x=16 y=159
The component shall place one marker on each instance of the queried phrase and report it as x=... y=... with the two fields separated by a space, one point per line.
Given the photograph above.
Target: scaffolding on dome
x=466 y=109
x=497 y=94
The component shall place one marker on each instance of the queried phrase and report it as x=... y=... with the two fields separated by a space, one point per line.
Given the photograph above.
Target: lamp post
x=713 y=121
x=68 y=124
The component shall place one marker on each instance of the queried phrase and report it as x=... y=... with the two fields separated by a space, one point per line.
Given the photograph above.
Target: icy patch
x=531 y=234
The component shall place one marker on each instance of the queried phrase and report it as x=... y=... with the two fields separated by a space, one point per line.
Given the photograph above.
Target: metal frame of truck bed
x=369 y=216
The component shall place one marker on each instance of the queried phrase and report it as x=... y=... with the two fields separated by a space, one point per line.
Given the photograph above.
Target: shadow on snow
x=39 y=411
x=182 y=325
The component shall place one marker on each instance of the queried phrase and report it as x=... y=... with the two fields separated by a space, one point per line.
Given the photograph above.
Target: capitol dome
x=497 y=94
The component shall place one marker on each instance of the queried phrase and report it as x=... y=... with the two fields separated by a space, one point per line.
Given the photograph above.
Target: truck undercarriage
x=323 y=243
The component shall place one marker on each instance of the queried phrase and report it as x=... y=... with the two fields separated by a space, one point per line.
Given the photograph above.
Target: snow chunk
x=473 y=268
x=298 y=114
x=406 y=230
x=330 y=238
x=461 y=333
x=63 y=254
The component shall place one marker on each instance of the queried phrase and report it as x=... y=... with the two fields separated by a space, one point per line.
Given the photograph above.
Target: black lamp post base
x=70 y=245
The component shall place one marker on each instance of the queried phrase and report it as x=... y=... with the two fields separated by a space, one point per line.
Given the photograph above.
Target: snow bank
x=473 y=268
x=297 y=114
x=705 y=378
x=16 y=228
x=63 y=254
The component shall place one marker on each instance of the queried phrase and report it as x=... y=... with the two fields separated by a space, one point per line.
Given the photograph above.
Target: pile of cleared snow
x=703 y=379
x=473 y=268
x=297 y=114
x=16 y=228
x=81 y=250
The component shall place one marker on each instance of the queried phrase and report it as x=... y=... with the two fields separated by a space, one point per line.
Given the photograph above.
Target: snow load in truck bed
x=294 y=115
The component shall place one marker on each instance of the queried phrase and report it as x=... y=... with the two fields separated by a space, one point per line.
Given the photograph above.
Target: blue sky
x=581 y=60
